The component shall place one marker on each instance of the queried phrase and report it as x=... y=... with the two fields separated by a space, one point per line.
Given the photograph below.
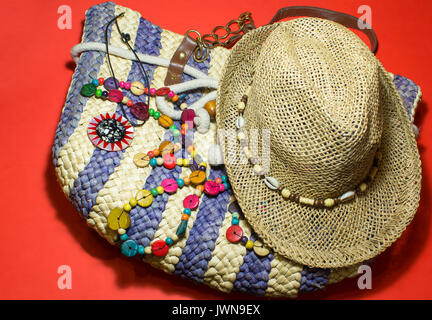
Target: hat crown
x=320 y=100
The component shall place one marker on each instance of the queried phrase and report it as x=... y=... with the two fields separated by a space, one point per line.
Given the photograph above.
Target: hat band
x=273 y=184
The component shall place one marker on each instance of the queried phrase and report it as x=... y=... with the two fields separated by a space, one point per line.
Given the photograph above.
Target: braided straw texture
x=97 y=181
x=328 y=104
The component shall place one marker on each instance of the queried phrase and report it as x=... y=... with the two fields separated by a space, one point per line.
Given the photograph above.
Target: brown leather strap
x=339 y=17
x=179 y=60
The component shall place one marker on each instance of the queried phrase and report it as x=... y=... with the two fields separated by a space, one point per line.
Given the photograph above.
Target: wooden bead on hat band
x=273 y=184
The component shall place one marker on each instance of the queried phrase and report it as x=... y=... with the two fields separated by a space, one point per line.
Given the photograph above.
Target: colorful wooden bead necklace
x=273 y=184
x=235 y=233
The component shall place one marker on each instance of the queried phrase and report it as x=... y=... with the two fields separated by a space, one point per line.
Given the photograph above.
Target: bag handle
x=343 y=18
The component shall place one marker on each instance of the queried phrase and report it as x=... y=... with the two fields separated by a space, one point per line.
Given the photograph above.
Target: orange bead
x=175 y=98
x=186 y=180
x=184 y=126
x=184 y=216
x=156 y=152
x=190 y=148
x=200 y=187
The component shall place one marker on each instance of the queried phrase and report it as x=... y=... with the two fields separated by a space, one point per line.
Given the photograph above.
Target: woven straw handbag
x=97 y=181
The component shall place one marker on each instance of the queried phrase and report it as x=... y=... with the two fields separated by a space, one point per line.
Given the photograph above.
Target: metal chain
x=213 y=39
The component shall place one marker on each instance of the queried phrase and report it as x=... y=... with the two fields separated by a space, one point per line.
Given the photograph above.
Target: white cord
x=124 y=53
x=202 y=81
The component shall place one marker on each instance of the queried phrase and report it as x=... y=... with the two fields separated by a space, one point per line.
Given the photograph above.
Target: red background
x=41 y=230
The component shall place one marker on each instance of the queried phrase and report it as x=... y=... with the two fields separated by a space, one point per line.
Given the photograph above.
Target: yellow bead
x=249 y=245
x=185 y=162
x=329 y=202
x=203 y=164
x=363 y=187
x=127 y=207
x=133 y=202
x=160 y=189
x=179 y=161
x=286 y=193
x=121 y=231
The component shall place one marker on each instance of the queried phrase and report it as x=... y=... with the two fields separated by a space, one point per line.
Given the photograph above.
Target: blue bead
x=180 y=182
x=129 y=248
x=169 y=241
x=244 y=239
x=153 y=162
x=187 y=211
x=95 y=82
x=124 y=237
x=235 y=221
x=224 y=179
x=202 y=168
x=226 y=185
x=141 y=250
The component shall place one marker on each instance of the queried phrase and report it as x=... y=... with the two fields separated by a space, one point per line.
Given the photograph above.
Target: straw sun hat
x=343 y=169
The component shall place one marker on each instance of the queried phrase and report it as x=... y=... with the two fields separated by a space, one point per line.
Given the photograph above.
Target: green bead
x=172 y=127
x=151 y=112
x=156 y=115
x=98 y=93
x=182 y=228
x=154 y=192
x=176 y=132
x=88 y=90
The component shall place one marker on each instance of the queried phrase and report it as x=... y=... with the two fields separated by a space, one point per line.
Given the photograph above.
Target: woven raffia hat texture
x=330 y=106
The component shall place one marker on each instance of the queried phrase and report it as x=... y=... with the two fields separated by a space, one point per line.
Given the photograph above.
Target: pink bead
x=122 y=84
x=169 y=185
x=221 y=187
x=171 y=94
x=152 y=91
x=127 y=85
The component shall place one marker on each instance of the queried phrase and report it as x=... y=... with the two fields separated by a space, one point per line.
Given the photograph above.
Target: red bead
x=150 y=154
x=146 y=90
x=183 y=132
x=234 y=233
x=115 y=95
x=218 y=180
x=169 y=161
x=129 y=103
x=159 y=248
x=101 y=81
x=162 y=91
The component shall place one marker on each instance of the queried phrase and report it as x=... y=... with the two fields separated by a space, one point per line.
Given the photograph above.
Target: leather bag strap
x=339 y=17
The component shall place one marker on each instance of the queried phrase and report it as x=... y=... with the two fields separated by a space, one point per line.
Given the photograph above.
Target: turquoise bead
x=182 y=227
x=153 y=162
x=187 y=211
x=180 y=182
x=224 y=178
x=141 y=250
x=124 y=237
x=154 y=192
x=95 y=82
x=129 y=248
x=235 y=221
x=169 y=241
x=226 y=185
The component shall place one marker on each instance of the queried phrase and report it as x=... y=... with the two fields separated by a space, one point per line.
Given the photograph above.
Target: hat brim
x=368 y=224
